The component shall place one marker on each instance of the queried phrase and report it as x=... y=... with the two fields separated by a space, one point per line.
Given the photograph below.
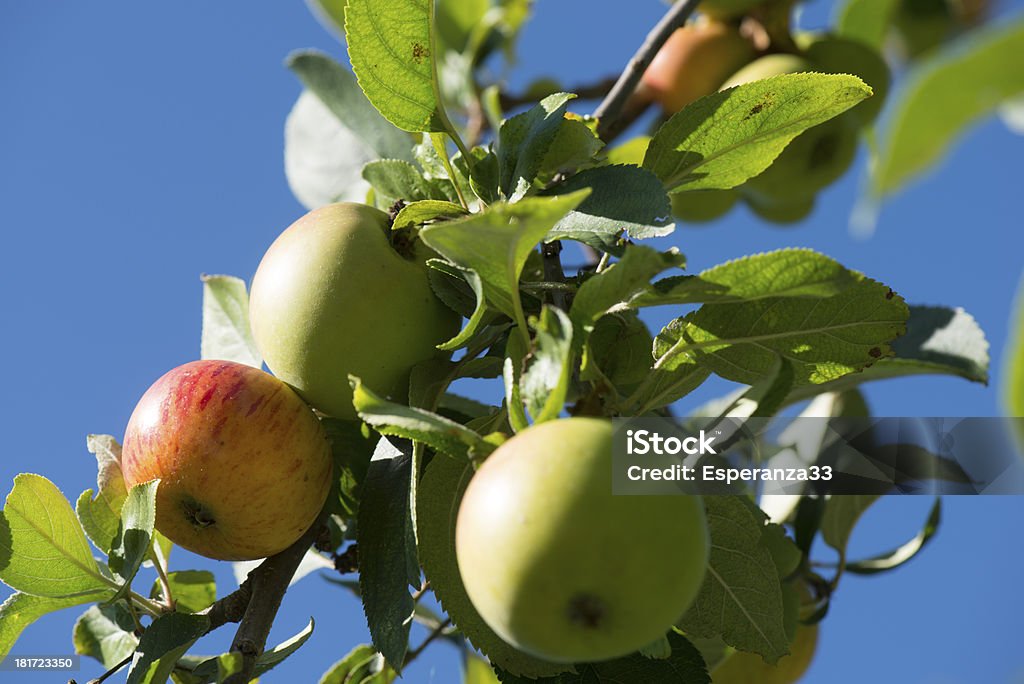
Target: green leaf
x=476 y=670
x=135 y=534
x=387 y=551
x=441 y=488
x=685 y=664
x=101 y=515
x=900 y=555
x=616 y=287
x=397 y=420
x=573 y=148
x=226 y=332
x=106 y=633
x=741 y=598
x=449 y=283
x=163 y=642
x=330 y=14
x=840 y=517
x=352 y=446
x=511 y=373
x=193 y=590
x=623 y=198
x=425 y=211
x=276 y=655
x=943 y=97
x=618 y=351
x=824 y=337
x=1013 y=368
x=721 y=140
x=391 y=47
x=457 y=19
x=524 y=141
x=219 y=667
x=18 y=611
x=43 y=549
x=496 y=243
x=866 y=21
x=545 y=380
x=397 y=179
x=337 y=88
x=665 y=386
x=361 y=663
x=938 y=341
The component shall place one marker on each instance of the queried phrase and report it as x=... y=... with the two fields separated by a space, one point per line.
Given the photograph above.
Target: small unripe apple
x=332 y=297
x=780 y=210
x=558 y=566
x=750 y=668
x=836 y=55
x=244 y=464
x=694 y=62
x=766 y=67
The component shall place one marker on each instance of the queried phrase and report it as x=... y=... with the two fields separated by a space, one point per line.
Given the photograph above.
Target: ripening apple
x=244 y=464
x=750 y=668
x=693 y=63
x=333 y=297
x=559 y=567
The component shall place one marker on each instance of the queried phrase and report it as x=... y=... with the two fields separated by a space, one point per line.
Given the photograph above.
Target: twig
x=434 y=633
x=265 y=587
x=112 y=671
x=553 y=273
x=613 y=105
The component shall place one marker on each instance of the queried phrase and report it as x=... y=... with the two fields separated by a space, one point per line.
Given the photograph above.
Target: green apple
x=780 y=210
x=835 y=55
x=244 y=464
x=332 y=297
x=766 y=67
x=558 y=566
x=699 y=206
x=693 y=63
x=750 y=668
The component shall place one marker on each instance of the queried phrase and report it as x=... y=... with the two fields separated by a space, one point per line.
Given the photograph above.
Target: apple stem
x=613 y=105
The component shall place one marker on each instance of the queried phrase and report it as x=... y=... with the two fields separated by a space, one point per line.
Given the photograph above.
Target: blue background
x=141 y=146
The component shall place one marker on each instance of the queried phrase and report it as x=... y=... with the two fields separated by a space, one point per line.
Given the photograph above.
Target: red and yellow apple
x=558 y=566
x=332 y=297
x=244 y=464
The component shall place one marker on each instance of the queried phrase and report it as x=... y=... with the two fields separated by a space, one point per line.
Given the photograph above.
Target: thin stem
x=611 y=108
x=160 y=563
x=542 y=286
x=434 y=633
x=603 y=263
x=151 y=608
x=112 y=671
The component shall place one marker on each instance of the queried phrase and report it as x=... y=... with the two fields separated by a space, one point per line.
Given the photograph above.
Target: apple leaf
x=19 y=610
x=664 y=386
x=463 y=291
x=1013 y=369
x=938 y=341
x=618 y=351
x=724 y=139
x=193 y=590
x=134 y=535
x=391 y=48
x=524 y=141
x=100 y=515
x=945 y=95
x=616 y=287
x=497 y=242
x=398 y=420
x=359 y=665
x=841 y=516
x=164 y=641
x=106 y=632
x=545 y=380
x=330 y=14
x=476 y=670
x=900 y=555
x=219 y=667
x=741 y=598
x=394 y=179
x=684 y=664
x=823 y=337
x=441 y=489
x=624 y=199
x=866 y=21
x=226 y=333
x=43 y=549
x=387 y=551
x=338 y=89
x=323 y=160
x=511 y=374
x=424 y=211
x=574 y=147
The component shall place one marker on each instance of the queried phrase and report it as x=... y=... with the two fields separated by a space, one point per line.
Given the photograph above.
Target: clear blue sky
x=141 y=146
